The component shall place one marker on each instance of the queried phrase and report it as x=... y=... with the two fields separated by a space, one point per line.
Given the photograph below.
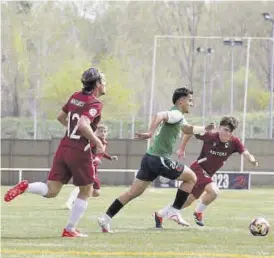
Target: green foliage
x=256 y=93
x=53 y=42
x=59 y=86
x=66 y=80
x=23 y=128
x=22 y=56
x=18 y=42
x=119 y=99
x=258 y=96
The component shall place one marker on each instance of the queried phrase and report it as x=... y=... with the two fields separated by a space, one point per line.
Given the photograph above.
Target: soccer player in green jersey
x=156 y=161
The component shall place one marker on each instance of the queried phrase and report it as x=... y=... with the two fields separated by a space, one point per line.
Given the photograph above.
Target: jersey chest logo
x=218 y=153
x=92 y=112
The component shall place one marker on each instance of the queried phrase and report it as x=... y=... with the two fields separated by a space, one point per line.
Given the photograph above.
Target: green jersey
x=167 y=134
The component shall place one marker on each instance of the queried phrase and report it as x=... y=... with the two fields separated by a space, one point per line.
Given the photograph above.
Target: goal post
x=248 y=41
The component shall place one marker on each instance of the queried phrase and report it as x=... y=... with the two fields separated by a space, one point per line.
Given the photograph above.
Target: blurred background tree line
x=47 y=45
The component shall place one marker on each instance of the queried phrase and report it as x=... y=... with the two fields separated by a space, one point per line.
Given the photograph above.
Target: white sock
x=163 y=212
x=78 y=209
x=200 y=208
x=38 y=188
x=73 y=196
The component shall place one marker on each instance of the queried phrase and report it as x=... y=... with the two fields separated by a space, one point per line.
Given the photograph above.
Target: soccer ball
x=259 y=227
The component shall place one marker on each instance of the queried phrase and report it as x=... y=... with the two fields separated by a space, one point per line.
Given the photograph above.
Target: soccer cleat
x=176 y=216
x=18 y=189
x=73 y=233
x=158 y=220
x=198 y=217
x=104 y=223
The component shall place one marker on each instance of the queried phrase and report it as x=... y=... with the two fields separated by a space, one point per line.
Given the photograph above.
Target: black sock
x=180 y=199
x=114 y=208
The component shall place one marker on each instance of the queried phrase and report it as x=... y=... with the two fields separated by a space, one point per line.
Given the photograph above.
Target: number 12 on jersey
x=73 y=119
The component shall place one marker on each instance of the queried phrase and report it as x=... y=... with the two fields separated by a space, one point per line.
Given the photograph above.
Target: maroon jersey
x=214 y=152
x=105 y=154
x=80 y=104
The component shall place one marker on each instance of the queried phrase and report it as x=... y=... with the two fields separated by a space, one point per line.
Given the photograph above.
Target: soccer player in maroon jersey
x=101 y=133
x=217 y=148
x=79 y=115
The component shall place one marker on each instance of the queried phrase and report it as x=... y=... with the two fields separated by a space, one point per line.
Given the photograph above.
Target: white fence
x=222 y=178
x=20 y=170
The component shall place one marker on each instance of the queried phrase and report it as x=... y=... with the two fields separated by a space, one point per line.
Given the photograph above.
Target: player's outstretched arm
x=109 y=157
x=87 y=132
x=181 y=150
x=193 y=129
x=157 y=119
x=62 y=118
x=250 y=158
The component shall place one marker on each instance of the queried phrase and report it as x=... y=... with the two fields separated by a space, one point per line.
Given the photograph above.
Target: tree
x=16 y=70
x=119 y=98
x=258 y=97
x=36 y=53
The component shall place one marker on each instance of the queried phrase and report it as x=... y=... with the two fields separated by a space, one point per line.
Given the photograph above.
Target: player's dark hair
x=181 y=92
x=229 y=121
x=89 y=79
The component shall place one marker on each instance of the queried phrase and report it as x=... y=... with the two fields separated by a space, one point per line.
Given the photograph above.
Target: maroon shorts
x=202 y=180
x=72 y=163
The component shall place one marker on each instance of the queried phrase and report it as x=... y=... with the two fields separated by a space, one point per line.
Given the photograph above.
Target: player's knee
x=51 y=194
x=214 y=191
x=53 y=189
x=189 y=176
x=213 y=195
x=189 y=179
x=192 y=178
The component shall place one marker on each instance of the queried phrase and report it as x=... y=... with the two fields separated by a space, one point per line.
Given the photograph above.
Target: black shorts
x=154 y=166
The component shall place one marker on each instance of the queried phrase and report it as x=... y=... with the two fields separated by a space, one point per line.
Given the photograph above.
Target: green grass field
x=31 y=227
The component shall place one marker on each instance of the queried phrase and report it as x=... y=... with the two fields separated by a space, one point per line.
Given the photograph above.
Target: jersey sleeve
x=174 y=116
x=206 y=137
x=92 y=110
x=65 y=107
x=183 y=122
x=239 y=147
